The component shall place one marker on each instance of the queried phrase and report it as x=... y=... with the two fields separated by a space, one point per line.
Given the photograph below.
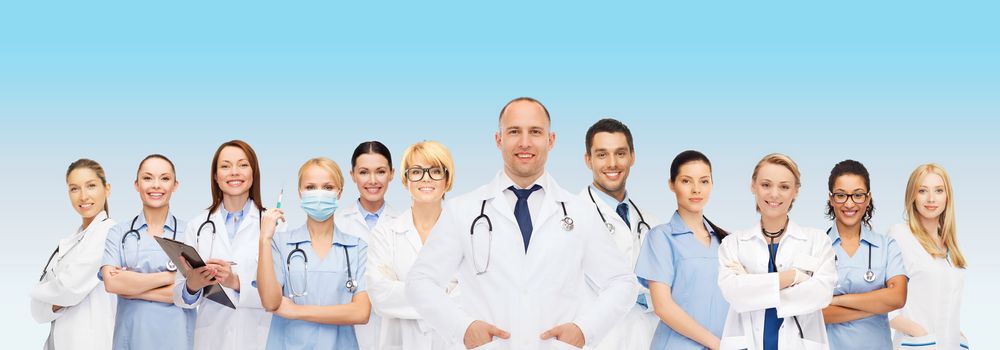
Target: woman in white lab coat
x=777 y=276
x=228 y=231
x=393 y=247
x=68 y=295
x=934 y=263
x=371 y=171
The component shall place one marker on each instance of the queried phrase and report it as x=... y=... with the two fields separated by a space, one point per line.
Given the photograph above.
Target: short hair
x=851 y=167
x=528 y=99
x=433 y=152
x=782 y=160
x=328 y=165
x=371 y=147
x=608 y=125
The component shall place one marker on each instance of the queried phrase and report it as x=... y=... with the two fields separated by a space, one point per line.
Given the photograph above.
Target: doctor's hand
x=224 y=274
x=480 y=333
x=197 y=278
x=736 y=267
x=568 y=333
x=269 y=222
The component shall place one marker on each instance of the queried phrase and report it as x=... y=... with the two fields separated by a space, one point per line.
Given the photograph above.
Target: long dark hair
x=851 y=167
x=371 y=147
x=254 y=187
x=691 y=156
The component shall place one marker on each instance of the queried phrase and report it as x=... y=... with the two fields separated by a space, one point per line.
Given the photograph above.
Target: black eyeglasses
x=416 y=173
x=841 y=198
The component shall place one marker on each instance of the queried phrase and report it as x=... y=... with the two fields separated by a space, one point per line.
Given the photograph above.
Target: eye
x=940 y=190
x=765 y=185
x=513 y=132
x=224 y=166
x=91 y=186
x=310 y=187
x=621 y=154
x=921 y=191
x=147 y=178
x=685 y=181
x=328 y=187
x=244 y=165
x=437 y=171
x=785 y=187
x=73 y=190
x=381 y=172
x=363 y=172
x=705 y=182
x=165 y=179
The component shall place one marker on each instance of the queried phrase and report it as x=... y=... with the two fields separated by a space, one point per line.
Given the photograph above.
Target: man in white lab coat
x=609 y=156
x=521 y=247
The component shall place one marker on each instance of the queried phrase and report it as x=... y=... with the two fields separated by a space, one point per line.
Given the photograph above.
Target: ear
x=176 y=185
x=670 y=185
x=586 y=160
x=497 y=138
x=136 y=185
x=552 y=140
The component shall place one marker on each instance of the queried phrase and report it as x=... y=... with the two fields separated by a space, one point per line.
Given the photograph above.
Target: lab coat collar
x=403 y=225
x=866 y=235
x=793 y=231
x=301 y=235
x=678 y=227
x=103 y=215
x=501 y=182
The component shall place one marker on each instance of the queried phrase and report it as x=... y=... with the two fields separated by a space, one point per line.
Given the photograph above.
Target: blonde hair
x=946 y=220
x=433 y=152
x=328 y=165
x=782 y=160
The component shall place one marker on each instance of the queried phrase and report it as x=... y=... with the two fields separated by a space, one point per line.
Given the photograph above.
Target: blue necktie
x=521 y=212
x=623 y=212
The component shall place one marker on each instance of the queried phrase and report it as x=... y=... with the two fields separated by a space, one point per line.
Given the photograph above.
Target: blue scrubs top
x=143 y=324
x=886 y=262
x=324 y=279
x=673 y=256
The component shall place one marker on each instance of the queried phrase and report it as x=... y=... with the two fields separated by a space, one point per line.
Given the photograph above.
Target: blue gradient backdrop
x=892 y=84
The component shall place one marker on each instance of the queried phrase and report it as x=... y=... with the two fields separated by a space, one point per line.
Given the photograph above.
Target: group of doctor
x=519 y=263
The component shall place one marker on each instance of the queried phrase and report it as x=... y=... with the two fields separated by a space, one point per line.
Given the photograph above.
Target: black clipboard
x=177 y=249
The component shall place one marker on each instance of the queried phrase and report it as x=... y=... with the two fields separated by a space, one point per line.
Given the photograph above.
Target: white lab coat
x=524 y=293
x=933 y=295
x=750 y=294
x=350 y=220
x=637 y=328
x=392 y=249
x=87 y=319
x=219 y=327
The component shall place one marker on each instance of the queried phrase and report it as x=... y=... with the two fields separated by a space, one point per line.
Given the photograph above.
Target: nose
x=696 y=187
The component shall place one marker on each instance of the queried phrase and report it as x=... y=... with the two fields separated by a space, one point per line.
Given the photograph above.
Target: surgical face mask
x=319 y=204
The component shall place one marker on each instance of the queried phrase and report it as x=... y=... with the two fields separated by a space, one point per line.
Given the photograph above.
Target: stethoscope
x=567 y=225
x=208 y=221
x=352 y=285
x=772 y=255
x=131 y=229
x=45 y=270
x=611 y=228
x=869 y=275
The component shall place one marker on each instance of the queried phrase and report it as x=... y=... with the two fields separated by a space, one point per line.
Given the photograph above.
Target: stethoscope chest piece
x=869 y=276
x=352 y=286
x=171 y=267
x=611 y=228
x=567 y=223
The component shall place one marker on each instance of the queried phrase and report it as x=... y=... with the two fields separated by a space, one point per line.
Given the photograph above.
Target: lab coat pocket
x=739 y=342
x=494 y=344
x=907 y=342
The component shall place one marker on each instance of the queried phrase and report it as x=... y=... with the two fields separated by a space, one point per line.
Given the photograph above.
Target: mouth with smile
x=524 y=155
x=773 y=204
x=931 y=207
x=85 y=206
x=612 y=174
x=372 y=189
x=155 y=195
x=696 y=199
x=426 y=189
x=850 y=213
x=235 y=183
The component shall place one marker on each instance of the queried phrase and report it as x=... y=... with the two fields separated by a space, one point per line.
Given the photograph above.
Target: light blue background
x=892 y=84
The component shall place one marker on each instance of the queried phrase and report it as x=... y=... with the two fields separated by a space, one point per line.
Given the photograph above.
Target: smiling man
x=523 y=249
x=609 y=156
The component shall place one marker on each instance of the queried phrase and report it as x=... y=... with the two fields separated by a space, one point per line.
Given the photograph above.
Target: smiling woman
x=776 y=271
x=67 y=295
x=140 y=273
